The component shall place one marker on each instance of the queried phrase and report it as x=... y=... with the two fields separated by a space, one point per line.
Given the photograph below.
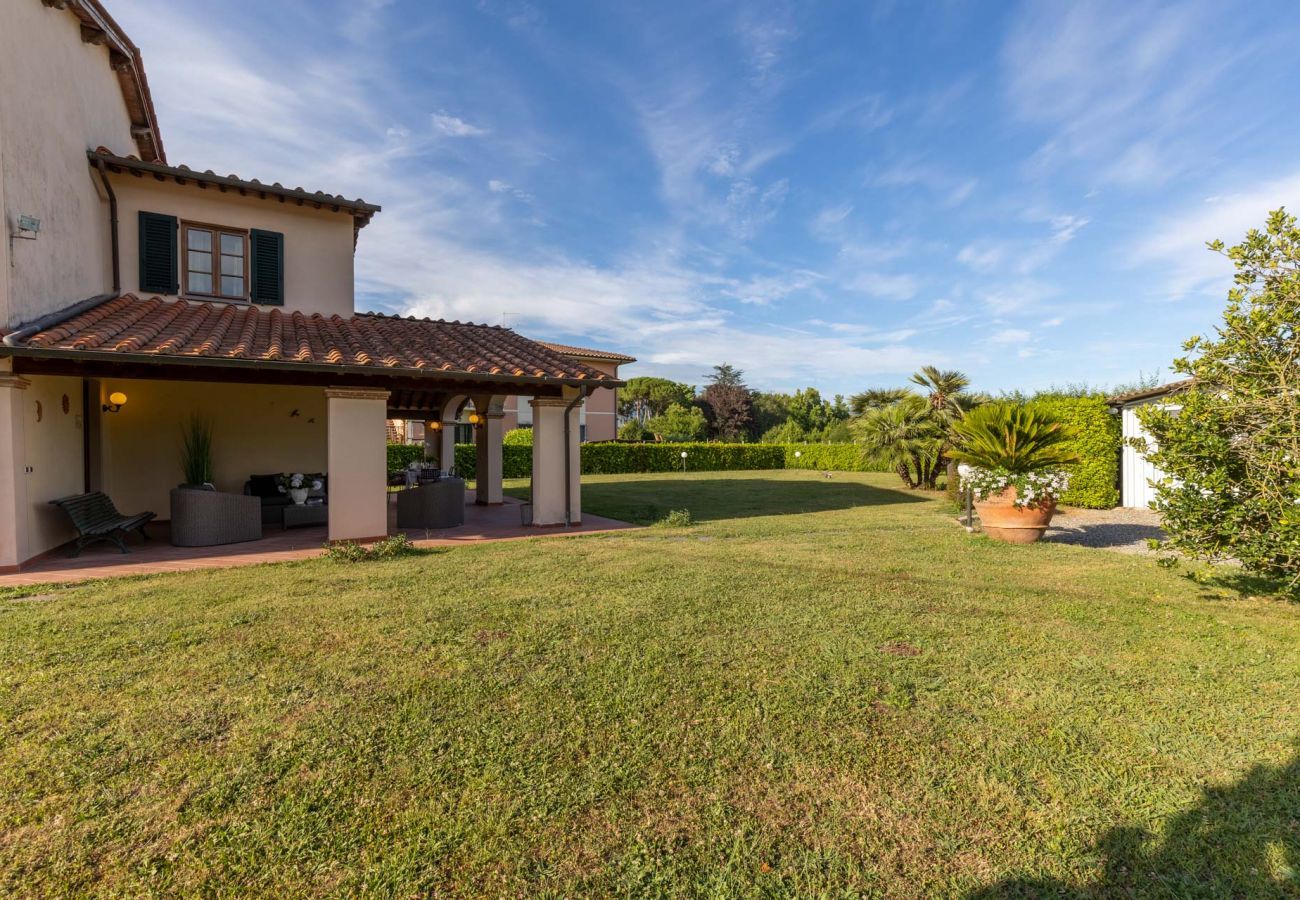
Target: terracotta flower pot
x=1002 y=520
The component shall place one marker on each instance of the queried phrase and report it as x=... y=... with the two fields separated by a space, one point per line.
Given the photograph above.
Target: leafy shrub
x=680 y=423
x=830 y=458
x=1231 y=451
x=352 y=552
x=613 y=458
x=632 y=430
x=677 y=518
x=519 y=437
x=1094 y=480
x=402 y=455
x=788 y=432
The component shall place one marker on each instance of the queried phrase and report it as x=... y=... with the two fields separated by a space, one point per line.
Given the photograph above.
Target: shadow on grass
x=646 y=501
x=1238 y=841
x=1225 y=579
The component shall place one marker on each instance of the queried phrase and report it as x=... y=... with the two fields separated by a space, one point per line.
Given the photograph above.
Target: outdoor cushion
x=265 y=485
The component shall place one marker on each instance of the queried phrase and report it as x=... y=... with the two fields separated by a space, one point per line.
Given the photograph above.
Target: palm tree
x=948 y=398
x=944 y=389
x=906 y=436
x=874 y=398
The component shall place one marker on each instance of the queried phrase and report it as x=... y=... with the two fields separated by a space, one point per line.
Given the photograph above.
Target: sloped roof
x=129 y=327
x=360 y=210
x=588 y=353
x=98 y=27
x=1172 y=387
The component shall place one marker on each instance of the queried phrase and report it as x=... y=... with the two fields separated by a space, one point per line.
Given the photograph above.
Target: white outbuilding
x=1137 y=474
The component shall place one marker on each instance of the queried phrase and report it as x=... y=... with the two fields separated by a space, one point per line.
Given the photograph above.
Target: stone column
x=548 y=461
x=13 y=471
x=358 y=463
x=487 y=457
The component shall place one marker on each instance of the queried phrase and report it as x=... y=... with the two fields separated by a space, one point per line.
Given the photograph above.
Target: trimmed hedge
x=1094 y=483
x=620 y=458
x=829 y=457
x=402 y=455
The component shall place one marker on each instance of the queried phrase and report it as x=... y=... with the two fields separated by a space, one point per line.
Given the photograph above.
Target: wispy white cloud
x=952 y=190
x=1117 y=81
x=454 y=126
x=1174 y=247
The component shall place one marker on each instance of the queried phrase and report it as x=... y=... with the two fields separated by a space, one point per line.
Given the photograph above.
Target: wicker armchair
x=207 y=518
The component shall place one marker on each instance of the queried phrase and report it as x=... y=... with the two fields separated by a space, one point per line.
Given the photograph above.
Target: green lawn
x=825 y=687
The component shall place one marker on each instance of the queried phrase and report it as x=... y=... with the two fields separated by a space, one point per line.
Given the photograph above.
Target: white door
x=1137 y=473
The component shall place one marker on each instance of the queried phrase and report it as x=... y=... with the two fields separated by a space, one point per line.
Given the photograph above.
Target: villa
x=136 y=293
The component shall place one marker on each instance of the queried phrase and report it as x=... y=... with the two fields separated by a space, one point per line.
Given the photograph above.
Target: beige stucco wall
x=358 y=463
x=58 y=98
x=257 y=429
x=599 y=413
x=54 y=440
x=318 y=243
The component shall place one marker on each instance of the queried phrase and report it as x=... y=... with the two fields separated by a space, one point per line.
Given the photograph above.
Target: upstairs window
x=216 y=261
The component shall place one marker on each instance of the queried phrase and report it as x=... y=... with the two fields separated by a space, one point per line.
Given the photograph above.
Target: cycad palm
x=906 y=436
x=1018 y=439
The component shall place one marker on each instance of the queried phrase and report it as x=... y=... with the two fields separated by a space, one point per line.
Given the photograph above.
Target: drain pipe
x=16 y=337
x=112 y=224
x=568 y=457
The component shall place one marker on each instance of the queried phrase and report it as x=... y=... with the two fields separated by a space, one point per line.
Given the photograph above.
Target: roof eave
x=361 y=211
x=123 y=358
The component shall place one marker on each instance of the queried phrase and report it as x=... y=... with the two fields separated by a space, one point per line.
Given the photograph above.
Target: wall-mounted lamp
x=475 y=418
x=116 y=401
x=435 y=426
x=25 y=229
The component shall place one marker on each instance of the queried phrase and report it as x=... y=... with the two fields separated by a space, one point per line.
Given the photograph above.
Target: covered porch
x=499 y=522
x=97 y=401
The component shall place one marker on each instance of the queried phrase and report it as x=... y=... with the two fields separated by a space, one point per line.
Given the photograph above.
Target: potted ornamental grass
x=1013 y=460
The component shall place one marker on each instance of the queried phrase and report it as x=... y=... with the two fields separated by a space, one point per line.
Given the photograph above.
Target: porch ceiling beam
x=311 y=376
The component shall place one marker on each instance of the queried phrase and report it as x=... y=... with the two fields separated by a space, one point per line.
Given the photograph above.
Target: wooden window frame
x=183 y=253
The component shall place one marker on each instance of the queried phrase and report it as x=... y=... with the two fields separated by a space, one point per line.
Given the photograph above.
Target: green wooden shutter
x=266 y=253
x=158 y=269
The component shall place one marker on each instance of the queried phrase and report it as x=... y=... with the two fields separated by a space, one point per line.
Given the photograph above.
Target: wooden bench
x=97 y=519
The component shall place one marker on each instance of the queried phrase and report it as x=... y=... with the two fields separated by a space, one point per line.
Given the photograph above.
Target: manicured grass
x=825 y=687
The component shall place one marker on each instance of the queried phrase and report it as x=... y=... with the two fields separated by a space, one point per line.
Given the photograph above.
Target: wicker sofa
x=206 y=518
x=267 y=489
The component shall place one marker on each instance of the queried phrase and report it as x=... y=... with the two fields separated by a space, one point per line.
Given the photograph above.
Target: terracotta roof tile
x=588 y=353
x=179 y=328
x=1172 y=387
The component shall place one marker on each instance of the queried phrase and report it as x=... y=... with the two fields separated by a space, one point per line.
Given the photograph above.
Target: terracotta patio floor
x=103 y=560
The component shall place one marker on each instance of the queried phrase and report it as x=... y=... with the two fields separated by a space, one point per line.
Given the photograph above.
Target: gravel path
x=1125 y=530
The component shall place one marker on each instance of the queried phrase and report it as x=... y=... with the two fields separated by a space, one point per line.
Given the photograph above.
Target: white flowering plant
x=1033 y=489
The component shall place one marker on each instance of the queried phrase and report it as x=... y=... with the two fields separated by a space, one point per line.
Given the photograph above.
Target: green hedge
x=615 y=458
x=829 y=457
x=1094 y=483
x=402 y=455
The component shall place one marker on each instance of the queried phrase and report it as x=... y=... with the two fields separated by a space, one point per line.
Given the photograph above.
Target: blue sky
x=820 y=193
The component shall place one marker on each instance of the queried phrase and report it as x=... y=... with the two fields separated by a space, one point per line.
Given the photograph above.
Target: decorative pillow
x=317 y=484
x=265 y=485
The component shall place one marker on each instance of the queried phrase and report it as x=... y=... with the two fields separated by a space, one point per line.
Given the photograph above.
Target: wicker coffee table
x=301 y=516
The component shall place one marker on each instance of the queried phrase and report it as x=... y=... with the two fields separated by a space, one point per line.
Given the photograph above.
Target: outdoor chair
x=202 y=518
x=97 y=519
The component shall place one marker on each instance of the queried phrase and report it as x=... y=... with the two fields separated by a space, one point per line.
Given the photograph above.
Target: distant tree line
x=728 y=410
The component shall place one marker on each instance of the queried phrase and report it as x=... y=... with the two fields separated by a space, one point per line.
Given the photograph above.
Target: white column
x=447 y=434
x=487 y=458
x=358 y=463
x=549 y=462
x=13 y=472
